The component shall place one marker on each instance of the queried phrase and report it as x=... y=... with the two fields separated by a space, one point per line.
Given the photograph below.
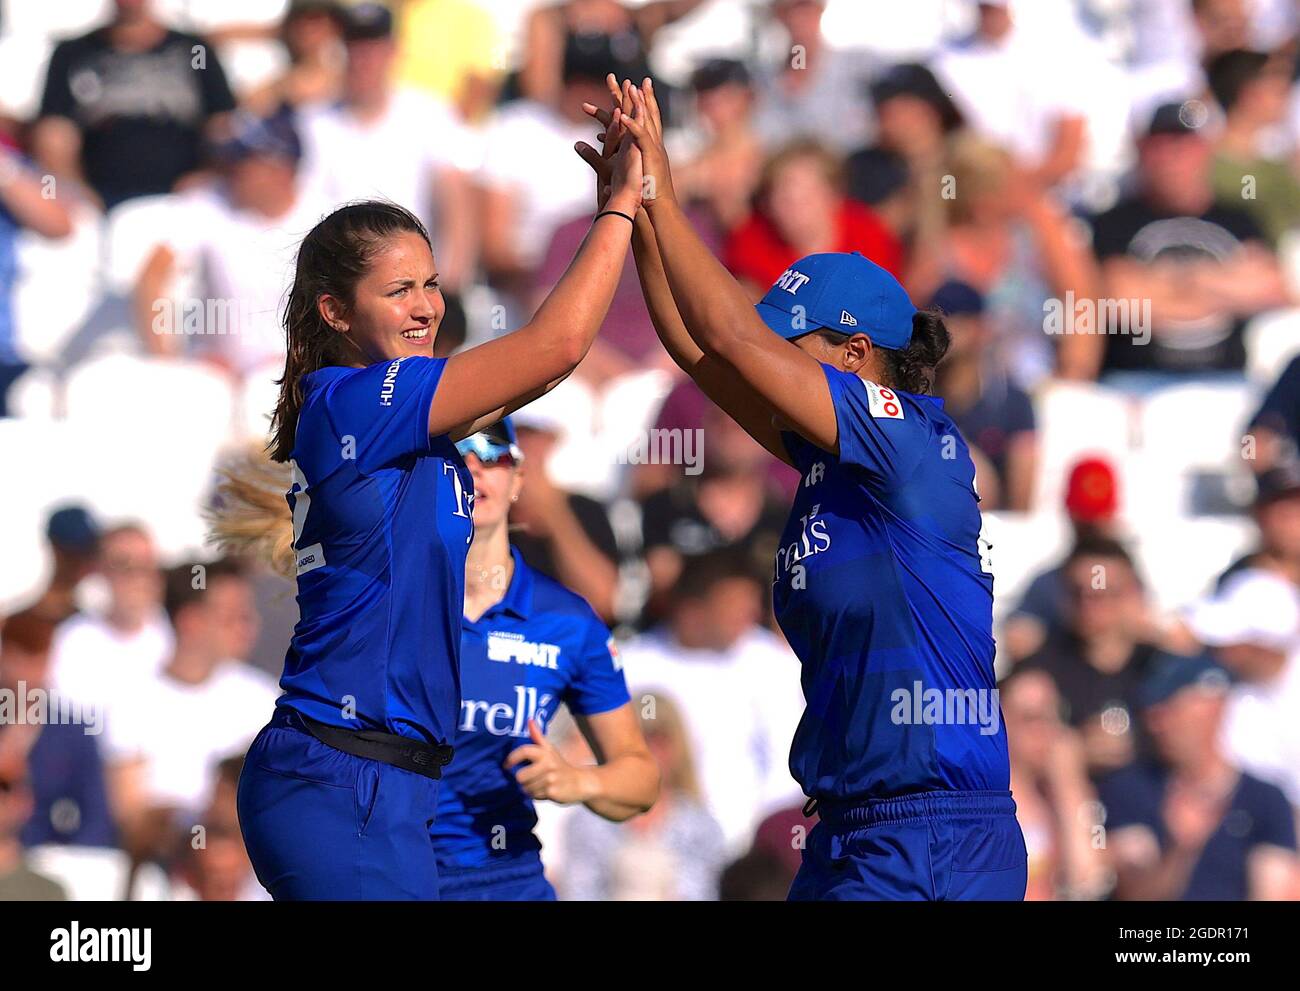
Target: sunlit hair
x=679 y=775
x=978 y=168
x=250 y=516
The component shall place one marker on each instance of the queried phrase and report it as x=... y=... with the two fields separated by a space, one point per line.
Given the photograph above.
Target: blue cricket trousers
x=932 y=846
x=511 y=879
x=322 y=825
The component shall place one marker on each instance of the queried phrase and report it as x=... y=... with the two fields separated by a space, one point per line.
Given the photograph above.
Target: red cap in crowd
x=1092 y=494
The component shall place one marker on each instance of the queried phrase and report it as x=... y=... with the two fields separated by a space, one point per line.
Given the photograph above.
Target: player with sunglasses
x=528 y=644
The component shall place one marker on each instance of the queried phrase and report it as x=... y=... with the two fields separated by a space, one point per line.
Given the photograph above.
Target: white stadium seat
x=1021 y=546
x=1272 y=340
x=1077 y=420
x=152 y=431
x=41 y=464
x=57 y=287
x=1180 y=559
x=1188 y=432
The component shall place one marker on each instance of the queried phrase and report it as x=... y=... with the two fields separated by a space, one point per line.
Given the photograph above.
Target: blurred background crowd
x=1102 y=195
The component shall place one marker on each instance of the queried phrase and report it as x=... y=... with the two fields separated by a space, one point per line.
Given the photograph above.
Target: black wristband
x=614 y=213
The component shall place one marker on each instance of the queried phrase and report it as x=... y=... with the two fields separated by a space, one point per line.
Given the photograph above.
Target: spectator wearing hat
x=813 y=90
x=1099 y=654
x=1252 y=626
x=723 y=172
x=993 y=414
x=242 y=233
x=1203 y=267
x=24 y=205
x=365 y=147
x=1277 y=515
x=897 y=175
x=127 y=106
x=1190 y=825
x=1253 y=89
x=1091 y=505
x=800 y=209
x=73 y=537
x=64 y=769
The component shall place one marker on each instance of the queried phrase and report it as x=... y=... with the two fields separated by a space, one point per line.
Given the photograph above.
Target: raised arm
x=713 y=307
x=502 y=374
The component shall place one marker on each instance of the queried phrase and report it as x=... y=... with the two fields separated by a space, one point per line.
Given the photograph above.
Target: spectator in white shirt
x=385 y=141
x=241 y=235
x=203 y=706
x=1253 y=626
x=1011 y=92
x=737 y=685
x=95 y=659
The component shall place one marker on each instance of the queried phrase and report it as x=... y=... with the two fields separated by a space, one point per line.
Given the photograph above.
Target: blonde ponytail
x=251 y=515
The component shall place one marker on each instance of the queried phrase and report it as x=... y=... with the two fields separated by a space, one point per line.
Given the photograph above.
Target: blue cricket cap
x=846 y=293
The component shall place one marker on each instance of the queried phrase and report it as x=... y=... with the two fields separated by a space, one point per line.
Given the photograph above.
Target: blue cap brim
x=782 y=322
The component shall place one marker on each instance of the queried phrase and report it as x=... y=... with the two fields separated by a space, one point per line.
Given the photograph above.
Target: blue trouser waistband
x=922 y=805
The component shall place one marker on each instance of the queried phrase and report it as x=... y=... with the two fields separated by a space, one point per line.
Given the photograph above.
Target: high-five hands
x=618 y=165
x=635 y=115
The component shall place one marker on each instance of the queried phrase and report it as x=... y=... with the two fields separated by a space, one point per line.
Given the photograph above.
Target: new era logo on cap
x=817 y=291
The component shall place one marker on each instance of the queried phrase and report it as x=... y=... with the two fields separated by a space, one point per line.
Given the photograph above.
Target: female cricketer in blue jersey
x=528 y=644
x=339 y=790
x=882 y=584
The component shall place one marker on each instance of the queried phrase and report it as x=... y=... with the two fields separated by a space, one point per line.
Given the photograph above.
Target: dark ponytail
x=911 y=369
x=332 y=259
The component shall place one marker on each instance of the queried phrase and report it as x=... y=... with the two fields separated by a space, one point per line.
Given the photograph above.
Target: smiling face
x=397 y=304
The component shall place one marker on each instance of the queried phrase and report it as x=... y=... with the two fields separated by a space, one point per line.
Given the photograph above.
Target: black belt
x=387 y=748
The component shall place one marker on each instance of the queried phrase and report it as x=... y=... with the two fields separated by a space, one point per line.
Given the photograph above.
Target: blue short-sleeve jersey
x=382 y=522
x=883 y=588
x=540 y=646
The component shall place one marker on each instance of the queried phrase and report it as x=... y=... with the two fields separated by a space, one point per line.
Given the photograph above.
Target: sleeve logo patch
x=883 y=403
x=615 y=657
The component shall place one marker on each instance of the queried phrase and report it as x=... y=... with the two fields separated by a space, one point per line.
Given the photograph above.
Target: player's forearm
x=713 y=306
x=566 y=323
x=667 y=322
x=622 y=788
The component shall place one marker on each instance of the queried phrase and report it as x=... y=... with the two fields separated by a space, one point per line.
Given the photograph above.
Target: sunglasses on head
x=488 y=450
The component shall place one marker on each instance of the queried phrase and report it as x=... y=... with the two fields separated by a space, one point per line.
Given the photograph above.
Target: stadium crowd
x=1103 y=197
